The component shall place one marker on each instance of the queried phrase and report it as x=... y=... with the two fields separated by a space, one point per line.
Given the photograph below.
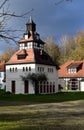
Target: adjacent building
x=2 y=75
x=31 y=58
x=71 y=75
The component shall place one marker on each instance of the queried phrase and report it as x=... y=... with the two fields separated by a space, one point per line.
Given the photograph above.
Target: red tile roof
x=74 y=65
x=29 y=58
x=64 y=73
x=26 y=40
x=2 y=66
x=31 y=38
x=32 y=56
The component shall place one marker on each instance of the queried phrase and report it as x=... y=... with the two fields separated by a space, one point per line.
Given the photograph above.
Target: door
x=82 y=86
x=26 y=88
x=13 y=87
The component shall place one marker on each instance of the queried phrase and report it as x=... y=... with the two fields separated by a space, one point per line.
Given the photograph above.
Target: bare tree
x=67 y=46
x=5 y=15
x=52 y=49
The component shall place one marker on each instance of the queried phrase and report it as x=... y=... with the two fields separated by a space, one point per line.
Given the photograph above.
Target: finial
x=30 y=20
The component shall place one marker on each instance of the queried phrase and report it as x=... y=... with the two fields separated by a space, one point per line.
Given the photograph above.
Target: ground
x=67 y=115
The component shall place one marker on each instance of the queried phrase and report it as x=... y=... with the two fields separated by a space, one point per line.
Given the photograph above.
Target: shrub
x=8 y=92
x=2 y=92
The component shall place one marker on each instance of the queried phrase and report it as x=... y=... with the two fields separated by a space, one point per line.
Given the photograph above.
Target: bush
x=8 y=92
x=2 y=92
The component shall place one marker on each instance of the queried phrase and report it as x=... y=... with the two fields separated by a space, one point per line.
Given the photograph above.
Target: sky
x=51 y=19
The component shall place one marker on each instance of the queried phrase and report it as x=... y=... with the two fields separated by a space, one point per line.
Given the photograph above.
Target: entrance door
x=82 y=86
x=26 y=88
x=13 y=87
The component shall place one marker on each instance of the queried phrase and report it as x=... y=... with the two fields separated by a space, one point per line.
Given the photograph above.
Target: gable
x=72 y=69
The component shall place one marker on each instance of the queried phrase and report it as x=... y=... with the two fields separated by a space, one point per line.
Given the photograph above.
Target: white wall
x=82 y=86
x=16 y=76
x=61 y=82
x=2 y=84
x=52 y=76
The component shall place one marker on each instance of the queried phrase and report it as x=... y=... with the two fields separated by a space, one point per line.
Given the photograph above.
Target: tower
x=31 y=39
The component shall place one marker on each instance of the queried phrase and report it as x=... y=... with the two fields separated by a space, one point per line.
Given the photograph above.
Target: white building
x=71 y=75
x=2 y=75
x=31 y=58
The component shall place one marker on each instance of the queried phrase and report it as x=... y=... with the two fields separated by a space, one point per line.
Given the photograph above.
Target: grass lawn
x=31 y=98
x=61 y=111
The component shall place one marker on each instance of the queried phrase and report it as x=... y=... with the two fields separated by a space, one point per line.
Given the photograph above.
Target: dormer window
x=72 y=70
x=74 y=67
x=22 y=54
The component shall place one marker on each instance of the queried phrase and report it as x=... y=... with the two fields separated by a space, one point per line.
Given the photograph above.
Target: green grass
x=58 y=97
x=60 y=111
x=45 y=116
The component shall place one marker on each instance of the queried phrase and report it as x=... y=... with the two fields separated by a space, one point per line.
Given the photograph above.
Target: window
x=73 y=84
x=26 y=68
x=50 y=87
x=74 y=67
x=13 y=69
x=50 y=70
x=29 y=68
x=16 y=69
x=47 y=87
x=54 y=87
x=25 y=44
x=23 y=68
x=21 y=56
x=10 y=69
x=72 y=70
x=0 y=74
x=40 y=69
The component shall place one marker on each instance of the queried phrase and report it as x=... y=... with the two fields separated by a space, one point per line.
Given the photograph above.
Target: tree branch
x=4 y=2
x=59 y=2
x=5 y=16
x=14 y=15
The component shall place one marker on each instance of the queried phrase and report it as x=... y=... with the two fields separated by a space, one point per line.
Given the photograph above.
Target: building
x=2 y=75
x=31 y=58
x=71 y=75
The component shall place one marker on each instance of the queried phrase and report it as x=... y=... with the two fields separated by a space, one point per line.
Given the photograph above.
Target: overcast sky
x=51 y=19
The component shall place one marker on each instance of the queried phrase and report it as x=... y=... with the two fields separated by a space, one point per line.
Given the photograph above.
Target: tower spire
x=30 y=20
x=31 y=26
